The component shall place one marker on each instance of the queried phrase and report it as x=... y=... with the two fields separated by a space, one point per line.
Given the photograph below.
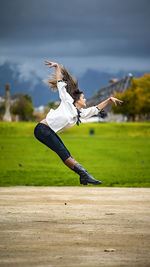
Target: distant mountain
x=90 y=82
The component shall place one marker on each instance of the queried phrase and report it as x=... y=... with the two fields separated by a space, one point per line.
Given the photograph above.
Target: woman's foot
x=85 y=177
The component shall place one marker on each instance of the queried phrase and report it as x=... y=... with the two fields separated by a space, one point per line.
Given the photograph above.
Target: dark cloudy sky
x=103 y=35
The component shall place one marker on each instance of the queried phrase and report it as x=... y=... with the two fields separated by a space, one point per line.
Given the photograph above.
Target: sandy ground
x=73 y=226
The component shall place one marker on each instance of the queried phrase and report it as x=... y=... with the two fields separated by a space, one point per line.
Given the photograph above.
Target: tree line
x=136 y=105
x=136 y=99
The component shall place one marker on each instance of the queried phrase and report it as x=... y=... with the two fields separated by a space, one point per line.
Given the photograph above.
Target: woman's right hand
x=51 y=64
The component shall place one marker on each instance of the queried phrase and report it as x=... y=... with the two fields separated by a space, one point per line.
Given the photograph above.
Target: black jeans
x=48 y=137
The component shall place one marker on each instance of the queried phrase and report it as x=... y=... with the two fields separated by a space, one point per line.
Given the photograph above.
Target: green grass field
x=118 y=154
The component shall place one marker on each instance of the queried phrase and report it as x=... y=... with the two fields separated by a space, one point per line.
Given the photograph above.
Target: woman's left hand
x=115 y=100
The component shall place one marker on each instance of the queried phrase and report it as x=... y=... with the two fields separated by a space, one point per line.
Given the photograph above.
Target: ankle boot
x=85 y=177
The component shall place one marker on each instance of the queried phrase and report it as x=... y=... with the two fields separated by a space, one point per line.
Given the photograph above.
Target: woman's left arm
x=91 y=111
x=106 y=102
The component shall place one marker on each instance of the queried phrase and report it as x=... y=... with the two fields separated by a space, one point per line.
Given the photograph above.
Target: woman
x=69 y=112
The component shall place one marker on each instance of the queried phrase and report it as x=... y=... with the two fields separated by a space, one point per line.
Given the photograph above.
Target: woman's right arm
x=64 y=95
x=58 y=71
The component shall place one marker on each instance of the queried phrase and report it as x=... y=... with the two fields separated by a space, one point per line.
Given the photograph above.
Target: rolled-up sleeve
x=89 y=112
x=63 y=94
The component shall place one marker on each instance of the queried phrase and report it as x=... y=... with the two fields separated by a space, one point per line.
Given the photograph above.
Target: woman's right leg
x=48 y=137
x=70 y=162
x=85 y=177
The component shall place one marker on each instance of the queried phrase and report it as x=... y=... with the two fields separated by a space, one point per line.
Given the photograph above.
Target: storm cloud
x=103 y=35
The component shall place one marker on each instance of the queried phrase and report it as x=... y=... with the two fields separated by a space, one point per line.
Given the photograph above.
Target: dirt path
x=73 y=226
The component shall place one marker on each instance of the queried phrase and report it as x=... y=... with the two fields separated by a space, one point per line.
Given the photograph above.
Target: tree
x=50 y=105
x=23 y=107
x=136 y=99
x=2 y=108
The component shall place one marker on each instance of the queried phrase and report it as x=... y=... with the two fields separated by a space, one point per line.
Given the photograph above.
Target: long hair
x=72 y=83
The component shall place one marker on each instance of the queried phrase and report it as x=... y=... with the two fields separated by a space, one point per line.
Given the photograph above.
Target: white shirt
x=65 y=116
